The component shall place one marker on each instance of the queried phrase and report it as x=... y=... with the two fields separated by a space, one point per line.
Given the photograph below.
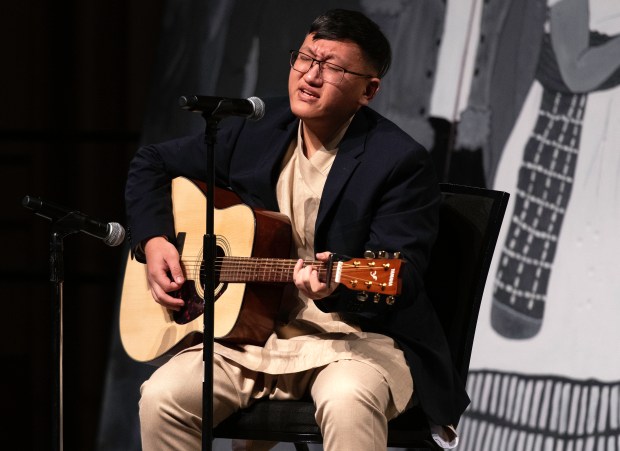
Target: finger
x=174 y=268
x=297 y=269
x=165 y=299
x=315 y=284
x=301 y=276
x=323 y=256
x=308 y=282
x=161 y=278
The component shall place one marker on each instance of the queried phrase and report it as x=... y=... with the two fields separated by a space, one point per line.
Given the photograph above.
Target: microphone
x=112 y=233
x=252 y=108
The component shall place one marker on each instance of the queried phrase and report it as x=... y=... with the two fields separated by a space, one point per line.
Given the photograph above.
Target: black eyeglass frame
x=295 y=54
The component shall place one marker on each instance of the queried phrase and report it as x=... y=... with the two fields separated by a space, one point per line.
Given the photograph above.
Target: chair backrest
x=469 y=224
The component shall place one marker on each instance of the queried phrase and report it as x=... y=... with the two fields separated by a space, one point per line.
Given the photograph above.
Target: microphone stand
x=65 y=226
x=212 y=111
x=57 y=279
x=209 y=253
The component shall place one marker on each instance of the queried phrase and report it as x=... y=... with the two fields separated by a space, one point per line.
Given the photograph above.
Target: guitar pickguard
x=193 y=294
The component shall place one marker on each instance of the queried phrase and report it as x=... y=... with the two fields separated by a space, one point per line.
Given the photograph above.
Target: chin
x=302 y=110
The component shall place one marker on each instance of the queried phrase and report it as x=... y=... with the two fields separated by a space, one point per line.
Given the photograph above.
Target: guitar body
x=244 y=312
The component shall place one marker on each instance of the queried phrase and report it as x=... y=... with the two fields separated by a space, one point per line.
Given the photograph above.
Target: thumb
x=323 y=256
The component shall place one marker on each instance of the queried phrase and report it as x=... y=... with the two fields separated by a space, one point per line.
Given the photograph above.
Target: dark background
x=75 y=78
x=76 y=82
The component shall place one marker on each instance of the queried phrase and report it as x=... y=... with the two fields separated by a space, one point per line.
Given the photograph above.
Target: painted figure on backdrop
x=547 y=380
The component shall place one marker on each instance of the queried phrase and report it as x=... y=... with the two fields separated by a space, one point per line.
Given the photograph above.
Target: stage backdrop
x=517 y=95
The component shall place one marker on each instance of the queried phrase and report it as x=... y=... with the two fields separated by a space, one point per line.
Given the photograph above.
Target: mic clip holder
x=61 y=228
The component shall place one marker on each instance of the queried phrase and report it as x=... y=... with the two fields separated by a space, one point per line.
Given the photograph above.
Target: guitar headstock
x=375 y=275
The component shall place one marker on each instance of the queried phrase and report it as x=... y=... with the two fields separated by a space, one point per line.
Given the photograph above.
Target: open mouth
x=307 y=93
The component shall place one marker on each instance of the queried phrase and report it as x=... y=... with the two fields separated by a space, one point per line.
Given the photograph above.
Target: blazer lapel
x=268 y=168
x=351 y=146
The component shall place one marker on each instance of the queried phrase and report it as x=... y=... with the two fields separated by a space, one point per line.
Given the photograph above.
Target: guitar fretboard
x=274 y=270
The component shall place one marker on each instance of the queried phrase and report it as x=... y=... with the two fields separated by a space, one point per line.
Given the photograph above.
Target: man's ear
x=370 y=90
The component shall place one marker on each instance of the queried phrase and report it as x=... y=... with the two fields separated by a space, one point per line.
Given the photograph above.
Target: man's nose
x=314 y=74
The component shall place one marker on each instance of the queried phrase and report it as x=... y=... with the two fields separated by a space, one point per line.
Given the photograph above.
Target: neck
x=316 y=138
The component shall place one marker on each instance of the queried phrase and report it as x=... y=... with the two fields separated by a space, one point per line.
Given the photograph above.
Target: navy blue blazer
x=381 y=194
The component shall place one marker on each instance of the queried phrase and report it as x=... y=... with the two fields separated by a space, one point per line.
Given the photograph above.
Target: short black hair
x=346 y=25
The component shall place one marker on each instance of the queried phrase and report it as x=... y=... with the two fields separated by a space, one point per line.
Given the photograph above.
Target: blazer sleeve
x=148 y=188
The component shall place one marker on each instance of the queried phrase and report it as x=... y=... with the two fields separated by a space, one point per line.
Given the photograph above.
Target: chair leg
x=301 y=447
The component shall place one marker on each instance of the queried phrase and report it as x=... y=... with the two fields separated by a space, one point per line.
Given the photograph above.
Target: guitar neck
x=269 y=270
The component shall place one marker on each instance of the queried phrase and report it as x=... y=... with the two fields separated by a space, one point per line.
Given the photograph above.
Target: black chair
x=470 y=220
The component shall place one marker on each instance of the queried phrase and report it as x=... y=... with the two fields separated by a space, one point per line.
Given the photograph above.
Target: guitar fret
x=251 y=269
x=240 y=269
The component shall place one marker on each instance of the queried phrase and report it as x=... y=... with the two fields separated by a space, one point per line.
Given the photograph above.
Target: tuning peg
x=390 y=300
x=396 y=255
x=362 y=296
x=369 y=254
x=382 y=254
x=376 y=298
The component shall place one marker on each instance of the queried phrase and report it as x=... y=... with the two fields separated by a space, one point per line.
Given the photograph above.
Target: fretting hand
x=306 y=279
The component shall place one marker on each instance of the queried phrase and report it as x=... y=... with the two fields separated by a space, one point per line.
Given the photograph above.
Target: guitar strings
x=248 y=261
x=251 y=263
x=240 y=267
x=243 y=269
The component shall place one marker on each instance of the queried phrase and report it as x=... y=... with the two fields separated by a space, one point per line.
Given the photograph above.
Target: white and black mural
x=545 y=368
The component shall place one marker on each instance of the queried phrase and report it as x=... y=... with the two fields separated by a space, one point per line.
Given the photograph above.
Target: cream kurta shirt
x=312 y=338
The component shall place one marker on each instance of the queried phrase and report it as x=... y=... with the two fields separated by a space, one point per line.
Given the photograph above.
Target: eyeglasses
x=330 y=73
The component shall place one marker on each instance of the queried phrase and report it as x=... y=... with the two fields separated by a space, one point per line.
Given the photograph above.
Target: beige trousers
x=352 y=399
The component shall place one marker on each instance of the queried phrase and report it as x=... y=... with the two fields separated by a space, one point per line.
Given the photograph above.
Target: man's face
x=321 y=103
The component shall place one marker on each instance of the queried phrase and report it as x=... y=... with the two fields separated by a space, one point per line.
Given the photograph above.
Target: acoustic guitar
x=252 y=270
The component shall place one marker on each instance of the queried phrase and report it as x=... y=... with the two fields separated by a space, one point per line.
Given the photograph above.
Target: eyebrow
x=310 y=52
